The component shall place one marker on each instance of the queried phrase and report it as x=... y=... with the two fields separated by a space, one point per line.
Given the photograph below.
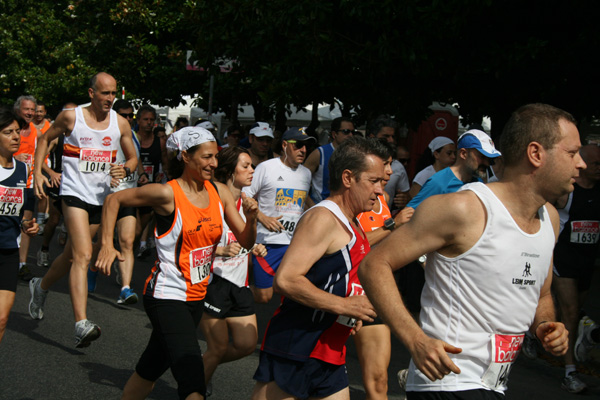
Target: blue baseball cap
x=476 y=139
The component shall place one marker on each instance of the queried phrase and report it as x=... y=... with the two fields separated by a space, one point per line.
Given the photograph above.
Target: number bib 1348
x=11 y=201
x=93 y=160
x=585 y=232
x=505 y=349
x=200 y=262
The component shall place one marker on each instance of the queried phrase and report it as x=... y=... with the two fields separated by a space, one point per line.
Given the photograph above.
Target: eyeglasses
x=297 y=144
x=130 y=115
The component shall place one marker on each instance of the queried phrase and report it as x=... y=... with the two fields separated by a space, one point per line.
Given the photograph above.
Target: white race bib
x=585 y=232
x=93 y=160
x=11 y=201
x=505 y=349
x=149 y=169
x=200 y=262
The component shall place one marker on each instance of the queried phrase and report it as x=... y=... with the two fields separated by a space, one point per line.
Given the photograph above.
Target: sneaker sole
x=129 y=300
x=31 y=291
x=564 y=387
x=89 y=338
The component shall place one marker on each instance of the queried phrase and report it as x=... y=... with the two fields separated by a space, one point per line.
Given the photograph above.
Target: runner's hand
x=55 y=178
x=359 y=307
x=232 y=249
x=259 y=250
x=554 y=337
x=250 y=206
x=271 y=223
x=117 y=171
x=30 y=227
x=39 y=180
x=105 y=259
x=404 y=216
x=431 y=357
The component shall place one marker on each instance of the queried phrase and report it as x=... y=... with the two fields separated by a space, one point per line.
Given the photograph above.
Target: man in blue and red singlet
x=303 y=352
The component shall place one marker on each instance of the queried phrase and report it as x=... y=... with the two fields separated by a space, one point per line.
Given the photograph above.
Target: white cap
x=439 y=142
x=188 y=137
x=261 y=129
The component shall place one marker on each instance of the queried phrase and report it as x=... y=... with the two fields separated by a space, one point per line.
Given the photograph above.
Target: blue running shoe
x=127 y=296
x=91 y=277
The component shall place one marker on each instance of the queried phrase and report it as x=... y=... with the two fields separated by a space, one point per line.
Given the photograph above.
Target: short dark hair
x=145 y=108
x=181 y=120
x=8 y=116
x=227 y=161
x=336 y=124
x=351 y=155
x=531 y=123
x=121 y=104
x=380 y=122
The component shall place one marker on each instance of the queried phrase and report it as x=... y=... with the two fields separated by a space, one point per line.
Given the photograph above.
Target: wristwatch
x=127 y=171
x=389 y=224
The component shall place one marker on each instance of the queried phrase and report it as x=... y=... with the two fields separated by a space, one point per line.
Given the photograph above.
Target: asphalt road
x=38 y=359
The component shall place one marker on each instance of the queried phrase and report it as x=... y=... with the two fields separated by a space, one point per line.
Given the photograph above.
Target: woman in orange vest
x=189 y=210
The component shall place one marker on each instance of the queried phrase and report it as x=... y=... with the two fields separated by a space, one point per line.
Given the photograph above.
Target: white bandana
x=188 y=137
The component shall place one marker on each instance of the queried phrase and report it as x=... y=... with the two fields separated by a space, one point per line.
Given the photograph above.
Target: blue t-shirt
x=441 y=182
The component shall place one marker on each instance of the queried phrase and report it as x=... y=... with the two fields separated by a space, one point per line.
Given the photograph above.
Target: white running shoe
x=85 y=333
x=38 y=298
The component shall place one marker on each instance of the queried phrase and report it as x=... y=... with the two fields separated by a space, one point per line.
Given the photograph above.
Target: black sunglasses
x=298 y=144
x=130 y=115
x=349 y=131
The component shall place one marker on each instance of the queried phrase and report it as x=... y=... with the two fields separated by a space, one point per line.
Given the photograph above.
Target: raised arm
x=245 y=232
x=159 y=197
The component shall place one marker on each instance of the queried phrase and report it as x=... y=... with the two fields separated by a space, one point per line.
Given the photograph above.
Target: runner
x=190 y=211
x=13 y=180
x=92 y=136
x=229 y=306
x=488 y=272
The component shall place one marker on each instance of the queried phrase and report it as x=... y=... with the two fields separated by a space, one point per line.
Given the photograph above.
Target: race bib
x=505 y=349
x=200 y=262
x=28 y=159
x=350 y=322
x=585 y=232
x=11 y=201
x=290 y=204
x=93 y=160
x=149 y=169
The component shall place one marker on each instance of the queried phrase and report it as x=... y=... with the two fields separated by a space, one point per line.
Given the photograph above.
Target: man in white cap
x=280 y=186
x=261 y=138
x=475 y=154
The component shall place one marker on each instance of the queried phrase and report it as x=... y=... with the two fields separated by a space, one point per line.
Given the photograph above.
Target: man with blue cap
x=475 y=154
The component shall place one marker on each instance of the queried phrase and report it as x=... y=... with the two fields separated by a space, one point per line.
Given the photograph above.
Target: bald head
x=101 y=77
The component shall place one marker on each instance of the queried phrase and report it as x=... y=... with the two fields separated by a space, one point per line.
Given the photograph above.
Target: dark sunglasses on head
x=130 y=115
x=297 y=144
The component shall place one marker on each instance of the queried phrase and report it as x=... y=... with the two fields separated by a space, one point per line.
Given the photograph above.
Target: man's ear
x=347 y=177
x=536 y=154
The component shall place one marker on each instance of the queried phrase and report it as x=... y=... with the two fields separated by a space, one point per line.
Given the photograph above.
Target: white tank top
x=87 y=156
x=485 y=299
x=234 y=269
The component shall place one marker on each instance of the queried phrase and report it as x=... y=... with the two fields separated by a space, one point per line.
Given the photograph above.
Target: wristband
x=127 y=171
x=24 y=220
x=144 y=173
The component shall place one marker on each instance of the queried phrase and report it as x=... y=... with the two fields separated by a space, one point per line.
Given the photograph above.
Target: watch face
x=389 y=223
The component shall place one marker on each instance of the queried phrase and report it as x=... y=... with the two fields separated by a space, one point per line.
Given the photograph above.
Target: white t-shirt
x=423 y=175
x=398 y=182
x=280 y=191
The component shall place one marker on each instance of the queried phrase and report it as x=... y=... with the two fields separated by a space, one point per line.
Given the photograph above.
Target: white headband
x=188 y=137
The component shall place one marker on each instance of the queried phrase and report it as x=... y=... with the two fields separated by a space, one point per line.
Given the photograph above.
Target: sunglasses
x=130 y=115
x=349 y=131
x=297 y=144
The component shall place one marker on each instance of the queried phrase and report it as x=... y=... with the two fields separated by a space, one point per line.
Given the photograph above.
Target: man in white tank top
x=488 y=268
x=92 y=137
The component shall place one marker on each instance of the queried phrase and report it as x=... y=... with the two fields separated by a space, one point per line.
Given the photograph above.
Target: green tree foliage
x=389 y=56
